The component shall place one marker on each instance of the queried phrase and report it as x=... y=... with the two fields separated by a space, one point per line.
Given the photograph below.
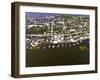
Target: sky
x=40 y=15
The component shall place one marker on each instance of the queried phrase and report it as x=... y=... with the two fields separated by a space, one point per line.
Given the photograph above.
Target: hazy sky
x=38 y=15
